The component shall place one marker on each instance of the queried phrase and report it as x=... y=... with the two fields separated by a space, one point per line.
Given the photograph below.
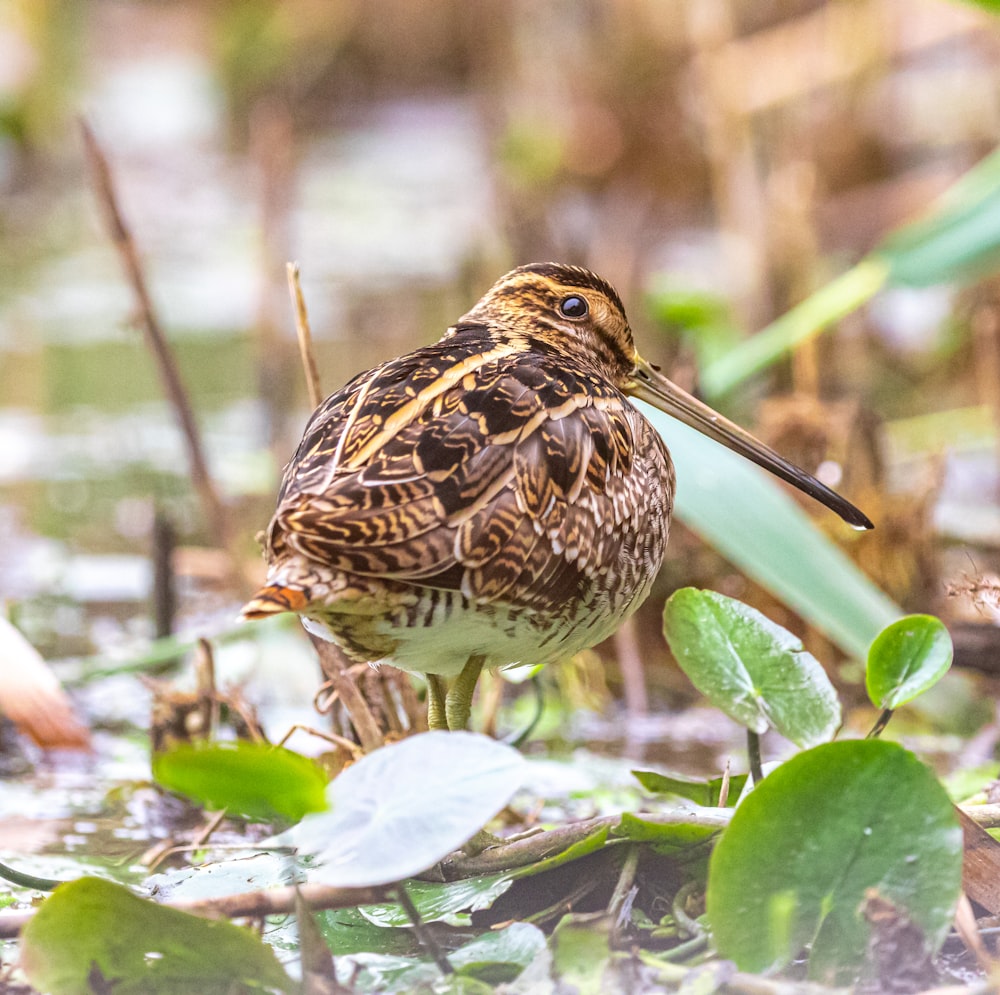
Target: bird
x=494 y=498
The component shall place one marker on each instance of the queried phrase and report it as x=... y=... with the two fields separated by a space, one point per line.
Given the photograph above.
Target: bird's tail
x=274 y=599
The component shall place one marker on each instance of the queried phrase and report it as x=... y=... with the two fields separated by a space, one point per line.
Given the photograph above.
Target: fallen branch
x=522 y=851
x=249 y=905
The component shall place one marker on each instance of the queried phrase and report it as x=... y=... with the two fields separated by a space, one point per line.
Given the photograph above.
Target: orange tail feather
x=274 y=599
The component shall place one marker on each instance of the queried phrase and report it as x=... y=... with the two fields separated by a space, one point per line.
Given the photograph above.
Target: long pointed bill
x=651 y=386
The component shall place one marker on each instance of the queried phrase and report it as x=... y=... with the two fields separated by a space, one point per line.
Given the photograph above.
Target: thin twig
x=353 y=701
x=423 y=935
x=212 y=506
x=304 y=333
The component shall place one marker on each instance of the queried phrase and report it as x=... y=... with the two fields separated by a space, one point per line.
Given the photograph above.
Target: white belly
x=451 y=632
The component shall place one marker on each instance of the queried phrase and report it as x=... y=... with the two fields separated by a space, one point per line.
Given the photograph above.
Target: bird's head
x=569 y=310
x=565 y=309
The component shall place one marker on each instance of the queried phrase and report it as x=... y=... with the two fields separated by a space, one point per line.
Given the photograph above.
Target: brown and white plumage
x=492 y=497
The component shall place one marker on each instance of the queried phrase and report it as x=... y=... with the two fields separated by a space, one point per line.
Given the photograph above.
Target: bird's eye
x=574 y=307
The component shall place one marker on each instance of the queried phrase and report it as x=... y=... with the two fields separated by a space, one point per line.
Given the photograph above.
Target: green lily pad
x=92 y=932
x=255 y=780
x=807 y=845
x=499 y=956
x=581 y=953
x=754 y=670
x=907 y=657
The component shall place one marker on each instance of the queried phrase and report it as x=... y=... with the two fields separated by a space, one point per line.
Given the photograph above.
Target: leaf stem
x=23 y=880
x=423 y=936
x=753 y=752
x=880 y=723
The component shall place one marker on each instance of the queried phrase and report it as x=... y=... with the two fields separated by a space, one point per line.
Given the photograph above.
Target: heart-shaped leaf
x=754 y=670
x=403 y=808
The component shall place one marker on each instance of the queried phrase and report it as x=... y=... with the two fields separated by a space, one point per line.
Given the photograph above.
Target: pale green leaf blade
x=827 y=305
x=403 y=808
x=252 y=779
x=957 y=240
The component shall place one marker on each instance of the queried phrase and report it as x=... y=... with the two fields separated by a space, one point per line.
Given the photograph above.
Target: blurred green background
x=717 y=160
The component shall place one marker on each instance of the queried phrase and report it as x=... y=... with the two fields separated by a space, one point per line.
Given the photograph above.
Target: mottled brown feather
x=501 y=466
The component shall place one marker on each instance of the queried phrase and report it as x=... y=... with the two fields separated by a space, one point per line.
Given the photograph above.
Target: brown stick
x=304 y=333
x=347 y=690
x=212 y=506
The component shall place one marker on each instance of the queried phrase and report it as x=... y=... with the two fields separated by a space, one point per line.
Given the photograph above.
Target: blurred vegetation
x=730 y=165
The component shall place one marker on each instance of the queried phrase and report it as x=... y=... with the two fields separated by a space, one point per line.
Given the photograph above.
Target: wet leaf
x=91 y=932
x=250 y=779
x=447 y=901
x=499 y=956
x=750 y=667
x=224 y=877
x=907 y=657
x=347 y=931
x=581 y=953
x=813 y=837
x=697 y=790
x=746 y=515
x=406 y=806
x=665 y=838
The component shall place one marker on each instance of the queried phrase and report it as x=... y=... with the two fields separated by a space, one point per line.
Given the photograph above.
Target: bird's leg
x=458 y=703
x=436 y=702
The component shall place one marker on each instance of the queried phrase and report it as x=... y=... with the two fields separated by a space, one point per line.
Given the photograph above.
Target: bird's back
x=508 y=480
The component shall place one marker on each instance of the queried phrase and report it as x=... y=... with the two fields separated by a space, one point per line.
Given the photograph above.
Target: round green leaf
x=794 y=866
x=93 y=935
x=906 y=658
x=251 y=779
x=403 y=808
x=751 y=668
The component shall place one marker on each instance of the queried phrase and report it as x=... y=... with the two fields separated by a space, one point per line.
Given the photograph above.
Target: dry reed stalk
x=304 y=334
x=212 y=505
